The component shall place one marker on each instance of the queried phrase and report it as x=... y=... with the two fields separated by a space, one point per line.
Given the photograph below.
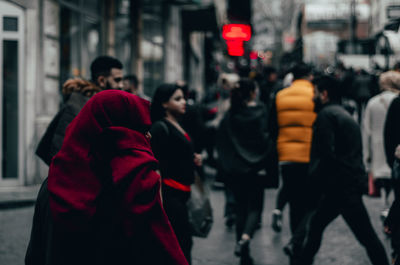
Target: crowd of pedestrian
x=121 y=169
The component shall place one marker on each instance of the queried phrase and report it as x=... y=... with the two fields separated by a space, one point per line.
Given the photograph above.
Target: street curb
x=6 y=205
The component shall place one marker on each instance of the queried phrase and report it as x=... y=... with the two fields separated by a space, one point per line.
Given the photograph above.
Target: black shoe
x=289 y=249
x=242 y=248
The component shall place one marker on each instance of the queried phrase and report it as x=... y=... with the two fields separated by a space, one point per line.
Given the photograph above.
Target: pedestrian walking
x=392 y=151
x=291 y=127
x=173 y=147
x=106 y=73
x=243 y=146
x=225 y=83
x=103 y=193
x=336 y=166
x=372 y=132
x=393 y=219
x=392 y=135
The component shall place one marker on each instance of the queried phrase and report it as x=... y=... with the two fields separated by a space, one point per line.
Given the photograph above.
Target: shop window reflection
x=79 y=38
x=152 y=46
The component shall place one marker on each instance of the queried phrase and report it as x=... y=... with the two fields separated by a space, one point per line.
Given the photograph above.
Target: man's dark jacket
x=392 y=130
x=53 y=138
x=336 y=163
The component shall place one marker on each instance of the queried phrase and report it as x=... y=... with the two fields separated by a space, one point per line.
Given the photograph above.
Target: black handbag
x=199 y=208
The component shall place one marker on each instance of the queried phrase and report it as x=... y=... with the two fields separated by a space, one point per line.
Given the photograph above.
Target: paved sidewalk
x=14 y=197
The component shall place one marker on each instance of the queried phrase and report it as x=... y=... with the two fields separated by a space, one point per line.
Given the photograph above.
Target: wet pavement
x=338 y=247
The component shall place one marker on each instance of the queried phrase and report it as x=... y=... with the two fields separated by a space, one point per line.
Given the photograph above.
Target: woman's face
x=176 y=105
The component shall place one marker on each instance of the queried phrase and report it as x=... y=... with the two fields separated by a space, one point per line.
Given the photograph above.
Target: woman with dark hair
x=243 y=146
x=102 y=202
x=173 y=148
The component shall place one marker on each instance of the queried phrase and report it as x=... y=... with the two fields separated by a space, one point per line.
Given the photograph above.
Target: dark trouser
x=229 y=202
x=396 y=189
x=248 y=199
x=294 y=177
x=176 y=209
x=282 y=197
x=354 y=213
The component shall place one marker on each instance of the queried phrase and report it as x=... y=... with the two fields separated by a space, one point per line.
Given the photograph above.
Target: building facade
x=382 y=11
x=45 y=42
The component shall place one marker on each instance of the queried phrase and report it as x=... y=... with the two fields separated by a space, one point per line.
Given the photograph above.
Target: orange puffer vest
x=295 y=110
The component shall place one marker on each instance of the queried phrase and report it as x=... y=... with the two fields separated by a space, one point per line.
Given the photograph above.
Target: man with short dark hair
x=337 y=170
x=106 y=72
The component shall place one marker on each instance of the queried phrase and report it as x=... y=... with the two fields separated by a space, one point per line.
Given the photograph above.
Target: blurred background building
x=45 y=42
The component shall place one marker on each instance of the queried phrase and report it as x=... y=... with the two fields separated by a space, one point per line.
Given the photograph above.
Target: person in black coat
x=243 y=146
x=392 y=130
x=392 y=142
x=173 y=147
x=336 y=166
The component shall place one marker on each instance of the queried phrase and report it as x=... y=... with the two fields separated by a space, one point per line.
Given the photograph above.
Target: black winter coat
x=53 y=138
x=392 y=130
x=336 y=164
x=173 y=151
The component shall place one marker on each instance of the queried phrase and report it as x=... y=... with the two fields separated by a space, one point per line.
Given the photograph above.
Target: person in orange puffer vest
x=292 y=119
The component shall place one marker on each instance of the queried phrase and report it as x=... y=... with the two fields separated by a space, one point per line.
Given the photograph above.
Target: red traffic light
x=235 y=35
x=239 y=32
x=235 y=47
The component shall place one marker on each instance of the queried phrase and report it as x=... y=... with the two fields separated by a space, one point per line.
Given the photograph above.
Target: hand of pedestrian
x=387 y=230
x=198 y=160
x=397 y=152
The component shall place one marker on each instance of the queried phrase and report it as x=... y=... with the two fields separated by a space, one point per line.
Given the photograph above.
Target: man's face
x=320 y=98
x=273 y=77
x=129 y=87
x=113 y=81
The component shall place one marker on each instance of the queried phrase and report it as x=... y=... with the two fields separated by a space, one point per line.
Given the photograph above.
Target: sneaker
x=242 y=248
x=276 y=220
x=384 y=215
x=288 y=249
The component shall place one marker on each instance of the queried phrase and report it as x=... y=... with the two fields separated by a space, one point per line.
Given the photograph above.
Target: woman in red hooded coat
x=102 y=202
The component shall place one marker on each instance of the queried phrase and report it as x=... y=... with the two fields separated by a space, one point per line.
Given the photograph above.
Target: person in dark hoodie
x=337 y=170
x=243 y=145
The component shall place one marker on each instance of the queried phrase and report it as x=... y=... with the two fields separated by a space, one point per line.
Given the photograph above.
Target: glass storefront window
x=92 y=5
x=10 y=23
x=91 y=47
x=10 y=109
x=152 y=46
x=80 y=37
x=70 y=44
x=123 y=34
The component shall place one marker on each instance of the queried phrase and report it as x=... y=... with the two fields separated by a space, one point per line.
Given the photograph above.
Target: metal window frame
x=7 y=9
